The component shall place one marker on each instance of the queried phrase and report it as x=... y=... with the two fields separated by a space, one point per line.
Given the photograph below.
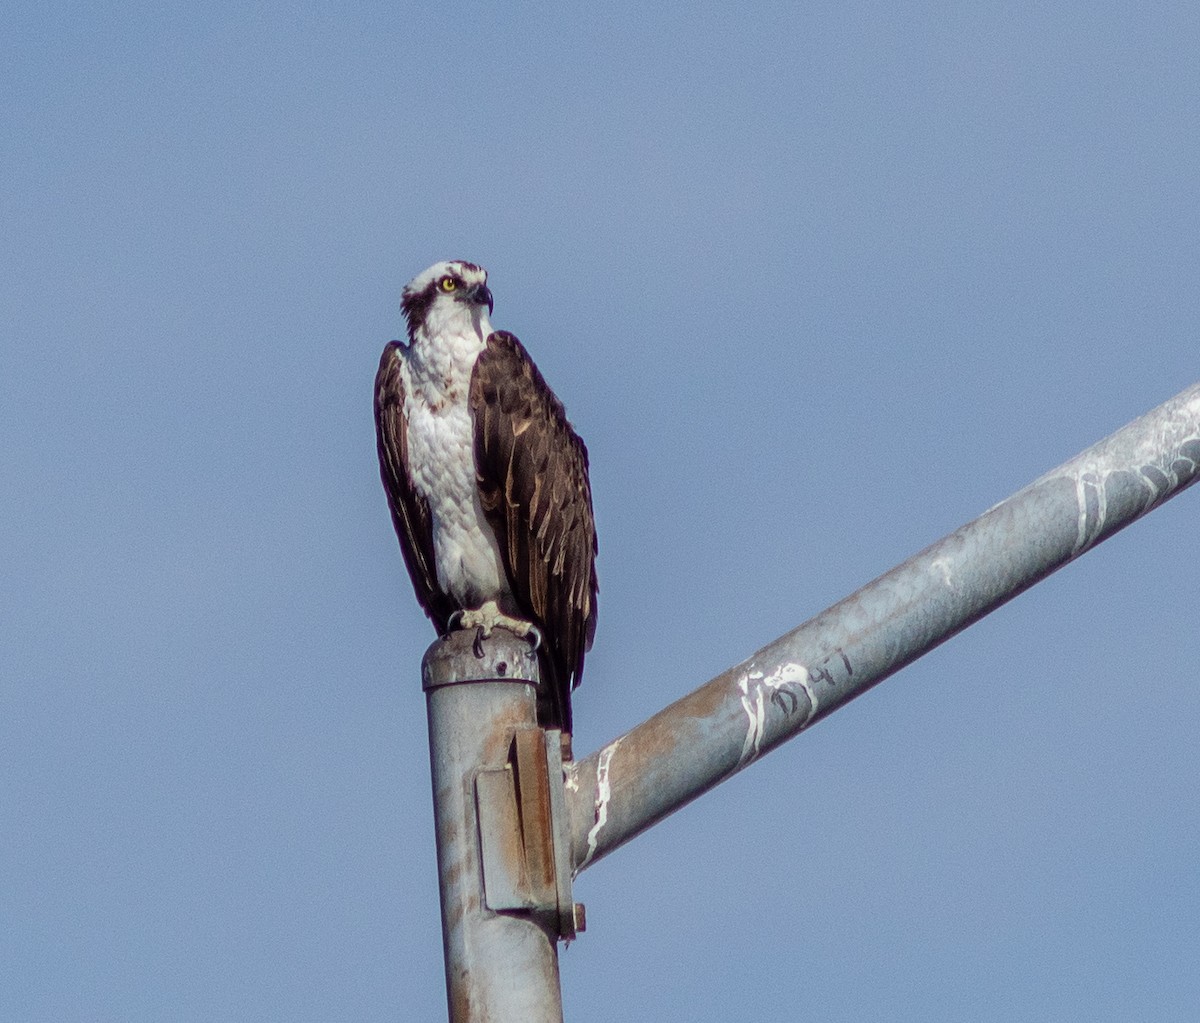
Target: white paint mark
x=1089 y=483
x=943 y=567
x=754 y=733
x=603 y=795
x=764 y=688
x=1157 y=462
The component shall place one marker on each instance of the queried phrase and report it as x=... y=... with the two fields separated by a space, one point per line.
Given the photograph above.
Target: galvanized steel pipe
x=726 y=724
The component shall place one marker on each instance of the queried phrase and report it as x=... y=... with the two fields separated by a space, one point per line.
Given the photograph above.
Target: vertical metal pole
x=500 y=967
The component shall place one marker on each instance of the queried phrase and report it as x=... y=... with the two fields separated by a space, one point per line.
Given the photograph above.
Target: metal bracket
x=523 y=833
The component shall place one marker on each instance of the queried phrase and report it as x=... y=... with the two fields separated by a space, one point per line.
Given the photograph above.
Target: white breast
x=441 y=457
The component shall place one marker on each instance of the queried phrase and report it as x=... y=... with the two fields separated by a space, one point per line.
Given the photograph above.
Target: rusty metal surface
x=571 y=917
x=505 y=879
x=727 y=724
x=533 y=806
x=523 y=832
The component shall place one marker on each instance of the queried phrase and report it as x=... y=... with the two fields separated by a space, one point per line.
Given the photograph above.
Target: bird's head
x=448 y=294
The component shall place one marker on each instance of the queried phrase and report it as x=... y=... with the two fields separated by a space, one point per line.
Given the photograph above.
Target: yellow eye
x=447 y=283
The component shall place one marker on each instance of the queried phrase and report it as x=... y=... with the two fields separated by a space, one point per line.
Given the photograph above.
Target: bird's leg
x=488 y=617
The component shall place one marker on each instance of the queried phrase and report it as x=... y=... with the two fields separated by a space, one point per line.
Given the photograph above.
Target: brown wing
x=532 y=470
x=410 y=512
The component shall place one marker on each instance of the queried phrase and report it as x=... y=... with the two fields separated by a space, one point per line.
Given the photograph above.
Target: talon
x=488 y=617
x=534 y=635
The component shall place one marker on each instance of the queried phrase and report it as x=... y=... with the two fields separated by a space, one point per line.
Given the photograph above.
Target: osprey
x=486 y=480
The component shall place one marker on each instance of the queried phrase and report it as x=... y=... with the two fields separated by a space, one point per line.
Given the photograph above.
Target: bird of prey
x=486 y=480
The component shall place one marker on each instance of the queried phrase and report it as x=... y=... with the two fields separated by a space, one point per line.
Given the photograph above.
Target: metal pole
x=500 y=966
x=728 y=723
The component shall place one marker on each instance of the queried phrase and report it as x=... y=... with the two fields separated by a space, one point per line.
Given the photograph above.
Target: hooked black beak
x=480 y=294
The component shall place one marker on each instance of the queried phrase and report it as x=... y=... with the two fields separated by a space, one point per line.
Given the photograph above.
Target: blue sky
x=817 y=284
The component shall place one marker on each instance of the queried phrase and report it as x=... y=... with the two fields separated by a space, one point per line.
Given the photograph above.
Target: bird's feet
x=488 y=617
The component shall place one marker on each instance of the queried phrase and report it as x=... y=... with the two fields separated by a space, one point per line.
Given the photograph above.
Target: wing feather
x=410 y=511
x=532 y=470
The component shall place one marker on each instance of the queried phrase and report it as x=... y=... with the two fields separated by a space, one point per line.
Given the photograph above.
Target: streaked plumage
x=486 y=479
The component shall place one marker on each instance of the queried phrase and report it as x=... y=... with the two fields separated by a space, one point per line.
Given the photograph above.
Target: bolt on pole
x=728 y=723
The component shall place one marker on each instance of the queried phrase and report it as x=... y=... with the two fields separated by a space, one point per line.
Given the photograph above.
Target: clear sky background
x=817 y=284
